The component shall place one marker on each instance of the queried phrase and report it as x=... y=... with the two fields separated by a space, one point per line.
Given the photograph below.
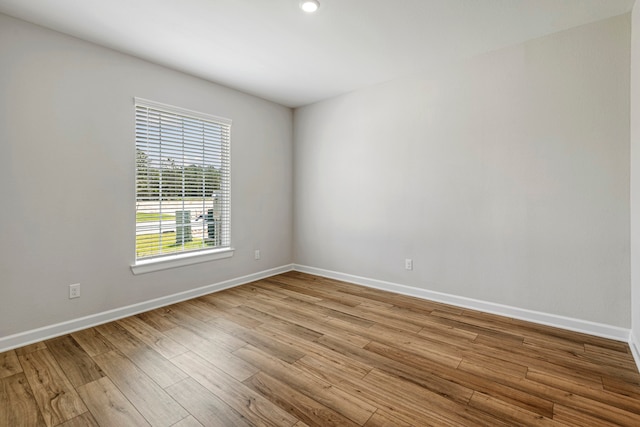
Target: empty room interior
x=319 y=213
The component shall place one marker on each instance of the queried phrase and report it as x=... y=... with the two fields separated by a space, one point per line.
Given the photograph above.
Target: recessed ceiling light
x=309 y=6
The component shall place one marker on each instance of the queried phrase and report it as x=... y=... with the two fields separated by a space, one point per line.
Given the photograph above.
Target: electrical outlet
x=74 y=291
x=408 y=264
x=256 y=254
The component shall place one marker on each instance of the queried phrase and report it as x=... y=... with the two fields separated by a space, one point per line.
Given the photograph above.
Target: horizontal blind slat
x=181 y=157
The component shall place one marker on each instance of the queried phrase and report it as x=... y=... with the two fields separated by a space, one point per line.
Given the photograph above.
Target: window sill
x=173 y=261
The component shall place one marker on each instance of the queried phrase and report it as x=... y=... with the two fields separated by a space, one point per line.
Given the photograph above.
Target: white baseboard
x=47 y=332
x=584 y=326
x=577 y=325
x=634 y=345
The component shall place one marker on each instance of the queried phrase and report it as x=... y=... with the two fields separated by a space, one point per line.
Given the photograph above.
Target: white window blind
x=183 y=177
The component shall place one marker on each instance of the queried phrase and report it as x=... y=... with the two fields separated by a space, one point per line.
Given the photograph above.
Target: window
x=182 y=182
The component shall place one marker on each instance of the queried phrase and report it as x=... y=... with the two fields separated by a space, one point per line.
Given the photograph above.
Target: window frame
x=188 y=257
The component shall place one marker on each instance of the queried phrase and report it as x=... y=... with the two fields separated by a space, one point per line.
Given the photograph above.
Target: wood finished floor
x=297 y=350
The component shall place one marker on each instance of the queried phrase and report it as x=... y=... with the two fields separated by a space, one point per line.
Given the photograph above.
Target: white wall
x=635 y=174
x=67 y=177
x=506 y=178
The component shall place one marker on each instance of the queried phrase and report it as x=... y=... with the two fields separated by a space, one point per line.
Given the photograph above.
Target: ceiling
x=271 y=49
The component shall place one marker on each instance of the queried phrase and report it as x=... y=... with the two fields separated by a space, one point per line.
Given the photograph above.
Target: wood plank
x=280 y=350
x=303 y=350
x=253 y=406
x=296 y=403
x=397 y=317
x=320 y=390
x=9 y=364
x=384 y=419
x=156 y=320
x=109 y=328
x=82 y=420
x=547 y=360
x=302 y=309
x=262 y=310
x=423 y=354
x=425 y=403
x=109 y=406
x=240 y=318
x=393 y=404
x=446 y=341
x=74 y=361
x=314 y=282
x=620 y=352
x=325 y=326
x=343 y=330
x=617 y=359
x=312 y=348
x=307 y=330
x=449 y=377
x=224 y=299
x=337 y=310
x=92 y=341
x=478 y=363
x=418 y=345
x=563 y=382
x=557 y=396
x=250 y=292
x=152 y=337
x=505 y=411
x=289 y=328
x=30 y=348
x=571 y=417
x=550 y=332
x=206 y=330
x=18 y=407
x=232 y=365
x=190 y=421
x=56 y=397
x=422 y=377
x=285 y=291
x=204 y=406
x=200 y=309
x=483 y=327
x=551 y=343
x=328 y=368
x=255 y=314
x=157 y=407
x=497 y=342
x=596 y=393
x=615 y=385
x=152 y=363
x=296 y=289
x=622 y=349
